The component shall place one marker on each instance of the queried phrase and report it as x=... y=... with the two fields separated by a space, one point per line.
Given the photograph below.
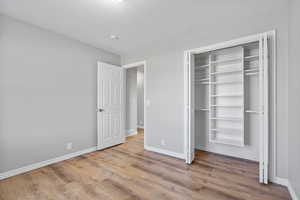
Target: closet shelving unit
x=224 y=73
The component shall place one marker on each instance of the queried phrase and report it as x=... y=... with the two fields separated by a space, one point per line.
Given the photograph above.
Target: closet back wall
x=47 y=94
x=230 y=20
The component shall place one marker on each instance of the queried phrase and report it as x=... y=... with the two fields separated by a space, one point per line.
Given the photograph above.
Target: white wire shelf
x=227 y=118
x=228 y=142
x=202 y=109
x=247 y=58
x=229 y=106
x=228 y=95
x=252 y=74
x=253 y=111
x=252 y=70
x=227 y=72
x=253 y=57
x=201 y=82
x=203 y=79
x=226 y=130
x=201 y=66
x=226 y=60
x=226 y=82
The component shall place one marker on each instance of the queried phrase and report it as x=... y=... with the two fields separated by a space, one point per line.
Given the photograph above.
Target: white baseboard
x=131 y=132
x=27 y=168
x=292 y=191
x=285 y=182
x=280 y=181
x=165 y=152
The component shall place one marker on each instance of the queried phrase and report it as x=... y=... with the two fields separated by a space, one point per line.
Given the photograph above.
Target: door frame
x=273 y=104
x=132 y=65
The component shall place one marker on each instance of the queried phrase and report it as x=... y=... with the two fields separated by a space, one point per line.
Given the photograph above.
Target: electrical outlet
x=69 y=146
x=163 y=143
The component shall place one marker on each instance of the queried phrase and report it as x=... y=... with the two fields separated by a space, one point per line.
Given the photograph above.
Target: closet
x=227 y=100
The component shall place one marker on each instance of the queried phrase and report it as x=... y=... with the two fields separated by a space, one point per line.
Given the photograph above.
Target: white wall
x=165 y=89
x=131 y=101
x=47 y=94
x=140 y=95
x=294 y=97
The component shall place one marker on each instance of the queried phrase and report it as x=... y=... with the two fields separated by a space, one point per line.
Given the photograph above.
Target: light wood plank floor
x=128 y=172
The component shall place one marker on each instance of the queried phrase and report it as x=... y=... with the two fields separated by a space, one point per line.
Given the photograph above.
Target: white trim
x=280 y=181
x=274 y=97
x=285 y=182
x=137 y=64
x=27 y=168
x=235 y=42
x=292 y=191
x=165 y=152
x=131 y=132
x=141 y=126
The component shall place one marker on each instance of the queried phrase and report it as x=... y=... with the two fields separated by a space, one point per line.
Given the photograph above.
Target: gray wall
x=131 y=100
x=47 y=94
x=165 y=89
x=294 y=97
x=140 y=95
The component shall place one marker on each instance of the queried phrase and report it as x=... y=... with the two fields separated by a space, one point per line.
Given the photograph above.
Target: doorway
x=135 y=107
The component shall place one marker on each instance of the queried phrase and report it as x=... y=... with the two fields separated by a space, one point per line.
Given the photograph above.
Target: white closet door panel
x=261 y=136
x=266 y=109
x=191 y=108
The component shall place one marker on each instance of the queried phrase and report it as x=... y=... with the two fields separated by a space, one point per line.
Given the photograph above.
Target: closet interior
x=227 y=100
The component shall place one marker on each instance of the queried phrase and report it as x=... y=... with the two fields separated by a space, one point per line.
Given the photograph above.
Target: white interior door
x=110 y=111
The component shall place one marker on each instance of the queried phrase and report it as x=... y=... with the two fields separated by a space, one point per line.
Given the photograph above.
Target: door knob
x=100 y=110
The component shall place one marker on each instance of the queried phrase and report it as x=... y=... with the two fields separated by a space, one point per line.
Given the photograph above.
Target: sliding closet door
x=190 y=108
x=264 y=105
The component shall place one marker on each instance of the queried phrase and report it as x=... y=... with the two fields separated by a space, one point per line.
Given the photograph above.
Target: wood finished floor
x=128 y=172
